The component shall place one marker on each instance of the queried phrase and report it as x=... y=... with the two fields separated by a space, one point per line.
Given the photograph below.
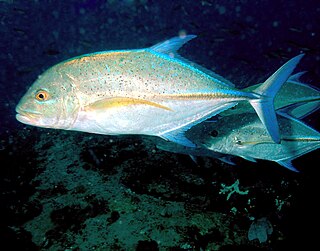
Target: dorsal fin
x=296 y=77
x=212 y=74
x=171 y=46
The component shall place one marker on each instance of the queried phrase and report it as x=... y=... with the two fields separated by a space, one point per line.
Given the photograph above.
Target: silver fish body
x=243 y=135
x=249 y=141
x=146 y=91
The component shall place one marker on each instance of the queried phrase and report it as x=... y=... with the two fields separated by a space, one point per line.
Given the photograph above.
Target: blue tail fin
x=267 y=91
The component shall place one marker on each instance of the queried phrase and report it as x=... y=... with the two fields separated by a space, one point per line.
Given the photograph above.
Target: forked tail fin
x=267 y=91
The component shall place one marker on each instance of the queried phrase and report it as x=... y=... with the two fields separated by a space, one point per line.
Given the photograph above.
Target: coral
x=234 y=188
x=260 y=229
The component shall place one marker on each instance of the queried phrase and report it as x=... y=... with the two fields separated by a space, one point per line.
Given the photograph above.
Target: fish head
x=231 y=133
x=50 y=102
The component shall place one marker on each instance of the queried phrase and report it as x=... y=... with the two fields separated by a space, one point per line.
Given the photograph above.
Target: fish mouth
x=26 y=117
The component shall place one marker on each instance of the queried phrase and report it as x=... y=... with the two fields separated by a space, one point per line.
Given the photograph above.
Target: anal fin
x=287 y=164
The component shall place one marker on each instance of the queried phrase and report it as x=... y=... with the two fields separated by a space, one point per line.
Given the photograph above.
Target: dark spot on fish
x=214 y=133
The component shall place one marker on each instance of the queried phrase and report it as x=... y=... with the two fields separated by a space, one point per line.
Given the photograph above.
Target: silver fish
x=243 y=135
x=150 y=91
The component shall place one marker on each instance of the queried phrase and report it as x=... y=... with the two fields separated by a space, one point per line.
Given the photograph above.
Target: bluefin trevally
x=249 y=141
x=244 y=136
x=150 y=91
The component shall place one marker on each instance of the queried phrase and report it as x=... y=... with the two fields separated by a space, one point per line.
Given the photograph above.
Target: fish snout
x=25 y=116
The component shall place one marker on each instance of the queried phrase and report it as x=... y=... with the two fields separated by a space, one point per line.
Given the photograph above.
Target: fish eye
x=238 y=142
x=42 y=95
x=214 y=133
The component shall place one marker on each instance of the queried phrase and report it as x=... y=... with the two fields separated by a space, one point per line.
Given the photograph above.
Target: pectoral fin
x=122 y=101
x=248 y=158
x=178 y=137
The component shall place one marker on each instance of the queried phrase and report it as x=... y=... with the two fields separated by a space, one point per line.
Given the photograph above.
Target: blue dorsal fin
x=172 y=45
x=296 y=77
x=212 y=74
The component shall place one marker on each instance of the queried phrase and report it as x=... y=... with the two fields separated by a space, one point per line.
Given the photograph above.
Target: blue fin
x=249 y=158
x=299 y=110
x=212 y=74
x=296 y=77
x=194 y=159
x=287 y=164
x=264 y=106
x=287 y=115
x=178 y=137
x=227 y=160
x=172 y=45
